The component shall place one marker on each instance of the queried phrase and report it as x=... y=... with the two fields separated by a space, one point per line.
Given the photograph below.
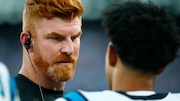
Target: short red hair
x=37 y=9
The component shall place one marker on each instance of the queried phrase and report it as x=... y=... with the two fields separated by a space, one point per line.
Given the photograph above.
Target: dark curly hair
x=143 y=35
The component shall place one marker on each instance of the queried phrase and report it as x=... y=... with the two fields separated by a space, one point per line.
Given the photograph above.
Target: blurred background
x=90 y=73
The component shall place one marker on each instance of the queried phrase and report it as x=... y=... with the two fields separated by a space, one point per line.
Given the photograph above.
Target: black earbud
x=27 y=44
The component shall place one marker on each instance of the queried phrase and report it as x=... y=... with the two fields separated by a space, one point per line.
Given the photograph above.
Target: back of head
x=37 y=9
x=143 y=35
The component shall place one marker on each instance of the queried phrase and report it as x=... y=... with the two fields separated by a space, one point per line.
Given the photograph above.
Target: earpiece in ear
x=27 y=44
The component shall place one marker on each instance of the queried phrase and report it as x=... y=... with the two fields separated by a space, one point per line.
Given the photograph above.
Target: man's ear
x=160 y=70
x=112 y=56
x=24 y=37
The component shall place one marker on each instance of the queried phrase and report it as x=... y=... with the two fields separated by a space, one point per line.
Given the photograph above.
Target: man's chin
x=62 y=80
x=60 y=74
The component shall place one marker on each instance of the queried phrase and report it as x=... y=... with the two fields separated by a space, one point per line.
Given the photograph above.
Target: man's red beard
x=54 y=70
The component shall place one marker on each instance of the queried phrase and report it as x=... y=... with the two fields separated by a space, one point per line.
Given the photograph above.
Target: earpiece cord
x=37 y=77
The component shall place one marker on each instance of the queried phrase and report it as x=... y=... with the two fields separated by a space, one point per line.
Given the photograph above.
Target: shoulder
x=8 y=89
x=173 y=96
x=81 y=95
x=4 y=83
x=108 y=95
x=4 y=71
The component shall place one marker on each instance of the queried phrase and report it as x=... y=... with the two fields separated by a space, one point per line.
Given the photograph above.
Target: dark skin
x=122 y=78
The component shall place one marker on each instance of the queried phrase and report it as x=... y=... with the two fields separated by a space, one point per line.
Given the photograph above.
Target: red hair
x=37 y=9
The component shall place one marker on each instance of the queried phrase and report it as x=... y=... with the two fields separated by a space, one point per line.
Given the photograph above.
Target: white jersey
x=108 y=95
x=8 y=91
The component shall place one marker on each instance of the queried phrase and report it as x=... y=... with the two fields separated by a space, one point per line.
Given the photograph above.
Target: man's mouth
x=64 y=62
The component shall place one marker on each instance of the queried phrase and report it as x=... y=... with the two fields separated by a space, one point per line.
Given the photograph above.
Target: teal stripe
x=74 y=96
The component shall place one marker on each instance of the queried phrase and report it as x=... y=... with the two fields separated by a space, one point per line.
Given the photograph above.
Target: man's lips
x=64 y=62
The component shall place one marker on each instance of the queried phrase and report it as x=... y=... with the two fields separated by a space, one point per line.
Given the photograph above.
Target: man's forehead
x=63 y=22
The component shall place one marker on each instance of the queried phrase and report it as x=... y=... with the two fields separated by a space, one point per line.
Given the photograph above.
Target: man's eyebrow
x=57 y=34
x=53 y=34
x=78 y=34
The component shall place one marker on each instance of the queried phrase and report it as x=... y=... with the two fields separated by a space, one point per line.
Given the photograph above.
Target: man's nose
x=67 y=47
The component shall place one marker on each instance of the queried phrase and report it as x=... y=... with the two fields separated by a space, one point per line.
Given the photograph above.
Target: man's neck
x=129 y=80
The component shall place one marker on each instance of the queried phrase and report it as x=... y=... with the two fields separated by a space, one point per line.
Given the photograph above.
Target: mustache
x=64 y=58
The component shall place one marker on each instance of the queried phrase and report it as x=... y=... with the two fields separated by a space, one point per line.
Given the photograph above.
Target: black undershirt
x=30 y=91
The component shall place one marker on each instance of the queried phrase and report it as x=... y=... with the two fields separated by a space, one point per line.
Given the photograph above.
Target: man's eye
x=74 y=38
x=57 y=38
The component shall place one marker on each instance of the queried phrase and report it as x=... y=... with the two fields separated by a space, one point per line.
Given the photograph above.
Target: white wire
x=37 y=78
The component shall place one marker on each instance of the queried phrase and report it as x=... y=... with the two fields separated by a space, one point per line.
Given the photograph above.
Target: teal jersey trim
x=75 y=96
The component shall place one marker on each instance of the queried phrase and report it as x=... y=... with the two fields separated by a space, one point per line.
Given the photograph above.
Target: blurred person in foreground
x=143 y=41
x=8 y=90
x=50 y=40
